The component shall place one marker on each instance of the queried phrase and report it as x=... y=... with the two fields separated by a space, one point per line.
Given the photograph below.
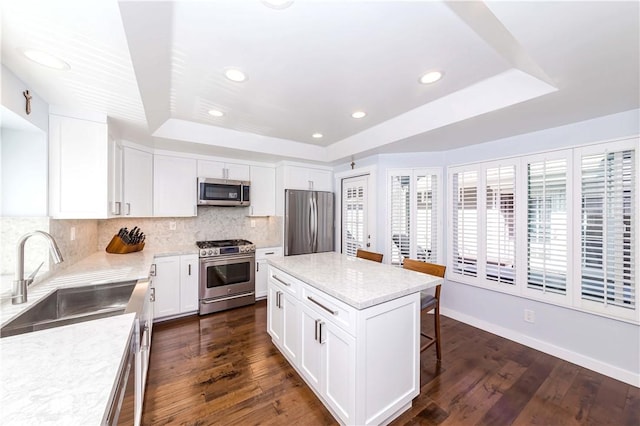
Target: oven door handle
x=222 y=299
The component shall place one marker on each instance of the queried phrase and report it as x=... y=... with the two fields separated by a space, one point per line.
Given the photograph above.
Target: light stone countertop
x=62 y=376
x=357 y=282
x=65 y=375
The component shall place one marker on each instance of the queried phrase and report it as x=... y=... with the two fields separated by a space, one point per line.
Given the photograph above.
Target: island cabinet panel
x=283 y=314
x=363 y=364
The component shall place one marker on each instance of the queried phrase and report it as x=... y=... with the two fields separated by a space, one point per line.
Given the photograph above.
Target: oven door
x=227 y=276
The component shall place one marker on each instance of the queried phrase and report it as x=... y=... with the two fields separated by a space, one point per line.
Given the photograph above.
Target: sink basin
x=72 y=305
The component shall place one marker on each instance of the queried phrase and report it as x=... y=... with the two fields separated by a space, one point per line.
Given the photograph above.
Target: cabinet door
x=189 y=283
x=261 y=278
x=167 y=285
x=263 y=191
x=296 y=178
x=338 y=379
x=78 y=168
x=211 y=169
x=321 y=180
x=137 y=183
x=275 y=314
x=291 y=320
x=238 y=171
x=115 y=177
x=174 y=186
x=311 y=362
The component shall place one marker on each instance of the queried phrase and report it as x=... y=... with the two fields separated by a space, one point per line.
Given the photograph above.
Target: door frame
x=371 y=172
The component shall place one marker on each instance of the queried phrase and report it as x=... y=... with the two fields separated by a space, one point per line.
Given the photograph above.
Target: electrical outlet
x=172 y=226
x=72 y=235
x=253 y=223
x=529 y=316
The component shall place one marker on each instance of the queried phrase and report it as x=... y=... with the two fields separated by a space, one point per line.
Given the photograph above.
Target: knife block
x=117 y=246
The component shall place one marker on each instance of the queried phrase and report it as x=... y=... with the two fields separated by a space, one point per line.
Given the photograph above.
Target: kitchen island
x=351 y=328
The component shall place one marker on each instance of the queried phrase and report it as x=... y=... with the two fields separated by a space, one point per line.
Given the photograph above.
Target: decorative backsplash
x=212 y=223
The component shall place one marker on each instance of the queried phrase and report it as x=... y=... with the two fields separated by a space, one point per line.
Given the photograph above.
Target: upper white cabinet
x=137 y=183
x=263 y=191
x=174 y=186
x=222 y=170
x=79 y=167
x=313 y=179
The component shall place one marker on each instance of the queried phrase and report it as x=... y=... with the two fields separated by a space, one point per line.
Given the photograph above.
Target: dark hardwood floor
x=223 y=369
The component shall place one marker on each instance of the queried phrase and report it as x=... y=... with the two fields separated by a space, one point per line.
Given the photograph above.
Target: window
x=607 y=229
x=547 y=225
x=558 y=227
x=414 y=226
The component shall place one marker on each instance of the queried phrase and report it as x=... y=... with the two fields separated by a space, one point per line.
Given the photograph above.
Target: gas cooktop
x=225 y=247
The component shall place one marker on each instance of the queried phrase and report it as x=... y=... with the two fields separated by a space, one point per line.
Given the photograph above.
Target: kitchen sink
x=72 y=305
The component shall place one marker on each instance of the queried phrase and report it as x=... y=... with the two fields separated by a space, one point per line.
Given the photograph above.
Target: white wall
x=13 y=99
x=608 y=346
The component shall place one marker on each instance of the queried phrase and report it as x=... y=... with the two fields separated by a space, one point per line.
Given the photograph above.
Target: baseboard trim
x=609 y=370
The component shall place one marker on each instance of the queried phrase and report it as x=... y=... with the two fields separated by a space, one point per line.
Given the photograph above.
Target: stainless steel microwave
x=223 y=192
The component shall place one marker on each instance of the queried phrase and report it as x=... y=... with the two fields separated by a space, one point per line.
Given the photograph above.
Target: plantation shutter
x=426 y=187
x=547 y=226
x=500 y=218
x=465 y=223
x=353 y=216
x=607 y=231
x=400 y=217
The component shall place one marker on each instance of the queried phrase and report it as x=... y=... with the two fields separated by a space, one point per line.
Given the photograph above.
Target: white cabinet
x=223 y=170
x=174 y=186
x=296 y=177
x=137 y=182
x=283 y=313
x=142 y=356
x=116 y=153
x=78 y=167
x=328 y=362
x=189 y=283
x=176 y=285
x=364 y=364
x=263 y=191
x=262 y=267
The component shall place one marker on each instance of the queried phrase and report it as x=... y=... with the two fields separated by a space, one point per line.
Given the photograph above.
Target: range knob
x=210 y=252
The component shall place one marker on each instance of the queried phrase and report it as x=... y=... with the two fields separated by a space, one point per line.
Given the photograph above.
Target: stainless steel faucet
x=19 y=294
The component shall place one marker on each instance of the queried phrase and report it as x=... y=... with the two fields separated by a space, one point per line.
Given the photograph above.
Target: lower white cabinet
x=363 y=364
x=176 y=285
x=261 y=269
x=327 y=361
x=283 y=313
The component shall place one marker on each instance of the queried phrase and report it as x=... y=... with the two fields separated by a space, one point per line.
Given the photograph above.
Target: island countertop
x=358 y=282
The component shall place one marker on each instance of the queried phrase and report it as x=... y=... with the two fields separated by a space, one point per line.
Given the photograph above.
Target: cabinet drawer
x=290 y=284
x=265 y=253
x=339 y=313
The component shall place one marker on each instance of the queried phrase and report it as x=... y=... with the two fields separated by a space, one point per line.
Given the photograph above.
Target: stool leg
x=436 y=314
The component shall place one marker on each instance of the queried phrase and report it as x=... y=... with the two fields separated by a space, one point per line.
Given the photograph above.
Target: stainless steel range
x=227 y=274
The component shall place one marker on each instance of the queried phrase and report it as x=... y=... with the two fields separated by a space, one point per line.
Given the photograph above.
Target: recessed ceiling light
x=358 y=114
x=277 y=4
x=215 y=113
x=317 y=135
x=235 y=74
x=46 y=59
x=431 y=77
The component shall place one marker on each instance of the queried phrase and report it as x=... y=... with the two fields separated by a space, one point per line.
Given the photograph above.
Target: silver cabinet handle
x=189 y=269
x=152 y=297
x=269 y=252
x=152 y=272
x=316 y=330
x=257 y=266
x=279 y=299
x=319 y=329
x=128 y=208
x=331 y=311
x=275 y=277
x=118 y=209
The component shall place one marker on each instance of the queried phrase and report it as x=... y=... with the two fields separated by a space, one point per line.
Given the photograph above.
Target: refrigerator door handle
x=315 y=224
x=310 y=228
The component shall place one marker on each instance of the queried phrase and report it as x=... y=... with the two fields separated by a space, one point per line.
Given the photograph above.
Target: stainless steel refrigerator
x=308 y=221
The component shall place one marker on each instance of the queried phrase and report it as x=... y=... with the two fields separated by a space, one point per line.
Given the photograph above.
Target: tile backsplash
x=212 y=223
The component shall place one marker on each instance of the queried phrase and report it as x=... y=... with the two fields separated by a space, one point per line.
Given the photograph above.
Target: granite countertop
x=357 y=282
